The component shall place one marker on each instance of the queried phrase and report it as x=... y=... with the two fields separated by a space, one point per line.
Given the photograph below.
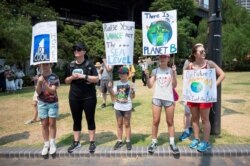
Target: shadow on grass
x=139 y=138
x=62 y=116
x=101 y=138
x=14 y=137
x=242 y=83
x=236 y=101
x=229 y=111
x=136 y=104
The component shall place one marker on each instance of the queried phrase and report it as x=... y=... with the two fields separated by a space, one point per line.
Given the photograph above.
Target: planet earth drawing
x=196 y=87
x=159 y=33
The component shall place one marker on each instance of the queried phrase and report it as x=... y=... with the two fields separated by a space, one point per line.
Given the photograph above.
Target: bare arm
x=219 y=72
x=41 y=82
x=112 y=93
x=151 y=80
x=69 y=79
x=106 y=66
x=132 y=91
x=174 y=76
x=92 y=79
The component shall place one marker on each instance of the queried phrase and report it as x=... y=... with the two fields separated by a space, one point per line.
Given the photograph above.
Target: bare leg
x=45 y=129
x=91 y=135
x=77 y=135
x=127 y=125
x=156 y=111
x=119 y=127
x=170 y=119
x=52 y=128
x=206 y=123
x=195 y=121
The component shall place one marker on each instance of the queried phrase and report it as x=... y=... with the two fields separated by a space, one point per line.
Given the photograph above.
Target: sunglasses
x=77 y=49
x=202 y=52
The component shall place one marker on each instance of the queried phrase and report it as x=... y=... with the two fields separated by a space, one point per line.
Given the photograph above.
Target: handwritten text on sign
x=119 y=42
x=199 y=86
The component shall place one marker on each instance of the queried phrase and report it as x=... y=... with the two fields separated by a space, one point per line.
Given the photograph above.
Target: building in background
x=244 y=3
x=203 y=3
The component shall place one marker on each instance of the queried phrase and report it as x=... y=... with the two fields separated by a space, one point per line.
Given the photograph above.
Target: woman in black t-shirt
x=82 y=76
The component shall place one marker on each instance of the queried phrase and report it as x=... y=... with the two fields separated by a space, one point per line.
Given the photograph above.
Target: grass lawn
x=17 y=108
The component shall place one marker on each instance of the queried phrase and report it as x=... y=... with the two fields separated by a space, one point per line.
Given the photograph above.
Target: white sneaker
x=45 y=150
x=52 y=149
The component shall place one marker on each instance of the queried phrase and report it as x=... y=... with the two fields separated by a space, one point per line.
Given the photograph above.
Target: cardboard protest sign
x=199 y=86
x=44 y=43
x=119 y=42
x=159 y=32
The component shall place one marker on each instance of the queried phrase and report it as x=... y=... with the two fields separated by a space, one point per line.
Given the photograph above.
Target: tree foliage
x=16 y=19
x=235 y=34
x=93 y=37
x=185 y=8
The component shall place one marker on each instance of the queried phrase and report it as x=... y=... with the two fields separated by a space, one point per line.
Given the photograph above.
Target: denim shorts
x=160 y=102
x=47 y=110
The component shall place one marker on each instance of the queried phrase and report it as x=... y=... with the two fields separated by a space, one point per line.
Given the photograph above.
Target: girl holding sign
x=165 y=79
x=202 y=110
x=46 y=89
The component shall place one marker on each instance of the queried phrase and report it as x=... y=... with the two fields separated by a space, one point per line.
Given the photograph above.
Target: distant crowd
x=10 y=80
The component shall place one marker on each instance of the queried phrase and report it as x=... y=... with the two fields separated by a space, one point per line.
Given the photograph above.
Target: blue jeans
x=47 y=110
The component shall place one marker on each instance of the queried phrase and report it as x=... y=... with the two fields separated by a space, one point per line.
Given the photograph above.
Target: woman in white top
x=165 y=79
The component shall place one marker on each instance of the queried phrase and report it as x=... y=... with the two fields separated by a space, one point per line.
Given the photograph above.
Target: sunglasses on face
x=77 y=49
x=202 y=52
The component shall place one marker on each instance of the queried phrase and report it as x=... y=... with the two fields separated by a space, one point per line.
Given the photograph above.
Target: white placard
x=119 y=42
x=159 y=32
x=199 y=86
x=44 y=43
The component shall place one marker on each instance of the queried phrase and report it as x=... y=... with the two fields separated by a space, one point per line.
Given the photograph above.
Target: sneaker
x=203 y=146
x=184 y=136
x=174 y=148
x=52 y=149
x=92 y=147
x=103 y=105
x=118 y=145
x=74 y=146
x=129 y=145
x=194 y=143
x=152 y=147
x=45 y=150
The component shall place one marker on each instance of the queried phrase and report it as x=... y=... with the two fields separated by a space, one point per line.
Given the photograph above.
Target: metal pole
x=214 y=54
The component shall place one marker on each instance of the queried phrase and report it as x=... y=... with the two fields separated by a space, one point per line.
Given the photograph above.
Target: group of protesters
x=82 y=75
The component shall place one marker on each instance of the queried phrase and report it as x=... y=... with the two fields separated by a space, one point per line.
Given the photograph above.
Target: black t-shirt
x=81 y=89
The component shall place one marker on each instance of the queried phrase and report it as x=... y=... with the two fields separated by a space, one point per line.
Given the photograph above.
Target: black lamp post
x=214 y=54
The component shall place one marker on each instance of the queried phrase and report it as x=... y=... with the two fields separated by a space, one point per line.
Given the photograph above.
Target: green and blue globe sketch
x=159 y=33
x=196 y=87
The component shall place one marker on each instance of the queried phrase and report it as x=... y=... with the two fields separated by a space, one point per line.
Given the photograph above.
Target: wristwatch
x=86 y=77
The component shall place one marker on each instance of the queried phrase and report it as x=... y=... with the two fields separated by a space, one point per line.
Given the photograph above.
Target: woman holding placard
x=202 y=110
